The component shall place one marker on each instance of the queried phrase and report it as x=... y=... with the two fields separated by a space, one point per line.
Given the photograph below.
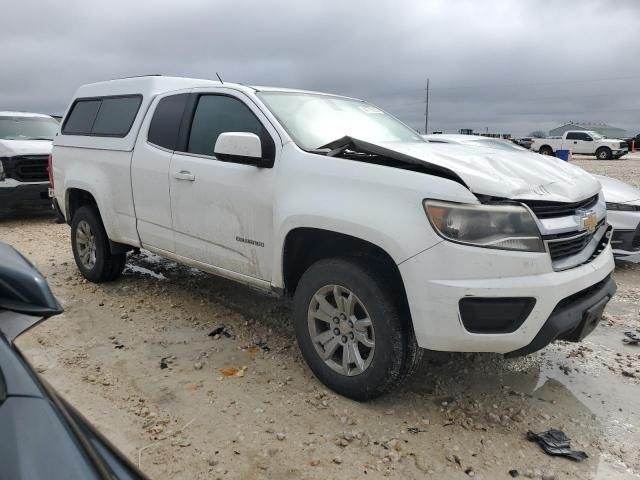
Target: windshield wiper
x=37 y=138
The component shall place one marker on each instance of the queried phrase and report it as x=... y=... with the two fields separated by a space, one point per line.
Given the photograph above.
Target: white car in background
x=623 y=200
x=623 y=212
x=25 y=145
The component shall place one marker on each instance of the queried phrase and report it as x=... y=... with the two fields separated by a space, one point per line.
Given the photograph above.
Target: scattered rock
x=220 y=330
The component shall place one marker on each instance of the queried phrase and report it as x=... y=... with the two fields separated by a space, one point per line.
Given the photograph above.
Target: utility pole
x=426 y=112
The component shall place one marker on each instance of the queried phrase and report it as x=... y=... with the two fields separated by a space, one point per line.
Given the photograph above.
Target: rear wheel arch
x=76 y=198
x=545 y=150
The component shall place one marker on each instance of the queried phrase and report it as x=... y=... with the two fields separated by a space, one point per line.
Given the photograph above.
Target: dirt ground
x=135 y=357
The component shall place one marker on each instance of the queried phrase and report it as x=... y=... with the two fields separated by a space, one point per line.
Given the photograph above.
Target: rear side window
x=165 y=124
x=578 y=136
x=80 y=120
x=216 y=114
x=102 y=117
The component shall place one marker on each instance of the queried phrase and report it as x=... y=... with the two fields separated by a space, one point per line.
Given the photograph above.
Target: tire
x=395 y=353
x=93 y=257
x=603 y=153
x=545 y=150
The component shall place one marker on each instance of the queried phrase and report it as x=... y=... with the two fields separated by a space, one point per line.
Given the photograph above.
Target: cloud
x=509 y=66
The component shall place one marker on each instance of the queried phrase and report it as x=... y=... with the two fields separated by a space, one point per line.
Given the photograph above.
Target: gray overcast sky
x=511 y=66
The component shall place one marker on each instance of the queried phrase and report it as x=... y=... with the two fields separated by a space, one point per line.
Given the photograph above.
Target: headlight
x=507 y=227
x=623 y=207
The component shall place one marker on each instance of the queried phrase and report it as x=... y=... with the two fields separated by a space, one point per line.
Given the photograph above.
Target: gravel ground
x=135 y=357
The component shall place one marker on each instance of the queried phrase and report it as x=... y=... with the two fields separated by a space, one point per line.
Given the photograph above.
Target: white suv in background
x=388 y=244
x=25 y=145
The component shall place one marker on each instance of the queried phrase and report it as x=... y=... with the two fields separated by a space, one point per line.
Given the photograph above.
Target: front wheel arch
x=604 y=153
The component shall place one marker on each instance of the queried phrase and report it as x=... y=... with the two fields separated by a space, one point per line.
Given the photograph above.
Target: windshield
x=314 y=120
x=28 y=128
x=499 y=144
x=596 y=135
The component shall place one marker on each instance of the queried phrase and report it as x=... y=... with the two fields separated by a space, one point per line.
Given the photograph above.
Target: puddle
x=145 y=271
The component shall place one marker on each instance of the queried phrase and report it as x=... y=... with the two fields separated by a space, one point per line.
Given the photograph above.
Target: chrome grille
x=563 y=248
x=544 y=209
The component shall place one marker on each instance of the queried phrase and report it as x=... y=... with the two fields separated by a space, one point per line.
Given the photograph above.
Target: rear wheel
x=603 y=153
x=351 y=331
x=90 y=246
x=545 y=151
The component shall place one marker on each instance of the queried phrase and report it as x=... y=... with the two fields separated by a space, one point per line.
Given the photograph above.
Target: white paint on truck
x=387 y=242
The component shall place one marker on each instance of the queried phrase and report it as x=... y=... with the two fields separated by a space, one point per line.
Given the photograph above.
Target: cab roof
x=8 y=113
x=151 y=85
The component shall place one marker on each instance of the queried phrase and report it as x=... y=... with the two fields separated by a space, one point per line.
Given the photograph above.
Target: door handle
x=575 y=142
x=184 y=175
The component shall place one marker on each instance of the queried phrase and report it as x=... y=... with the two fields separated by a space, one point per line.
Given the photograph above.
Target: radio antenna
x=218 y=75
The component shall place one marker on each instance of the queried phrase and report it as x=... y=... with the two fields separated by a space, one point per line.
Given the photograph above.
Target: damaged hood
x=515 y=175
x=10 y=148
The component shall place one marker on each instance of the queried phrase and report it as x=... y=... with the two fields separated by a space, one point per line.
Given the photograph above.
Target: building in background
x=602 y=128
x=469 y=131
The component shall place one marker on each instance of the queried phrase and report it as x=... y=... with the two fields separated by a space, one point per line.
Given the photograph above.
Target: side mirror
x=25 y=296
x=241 y=147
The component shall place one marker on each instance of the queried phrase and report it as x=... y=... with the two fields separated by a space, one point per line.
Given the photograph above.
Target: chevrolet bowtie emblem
x=588 y=220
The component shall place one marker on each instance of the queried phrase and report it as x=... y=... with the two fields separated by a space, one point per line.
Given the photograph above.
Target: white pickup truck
x=583 y=142
x=388 y=244
x=25 y=145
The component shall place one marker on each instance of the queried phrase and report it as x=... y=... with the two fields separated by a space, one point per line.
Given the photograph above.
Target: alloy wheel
x=86 y=245
x=341 y=330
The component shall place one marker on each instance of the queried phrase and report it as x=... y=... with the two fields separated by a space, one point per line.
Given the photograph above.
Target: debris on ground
x=514 y=473
x=632 y=338
x=415 y=430
x=166 y=361
x=233 y=371
x=220 y=330
x=261 y=343
x=555 y=442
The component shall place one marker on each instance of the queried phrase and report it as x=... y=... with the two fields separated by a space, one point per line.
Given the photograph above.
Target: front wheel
x=351 y=330
x=90 y=246
x=603 y=154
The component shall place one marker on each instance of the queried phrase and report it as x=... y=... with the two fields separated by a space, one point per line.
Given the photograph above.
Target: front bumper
x=438 y=278
x=16 y=194
x=625 y=240
x=574 y=318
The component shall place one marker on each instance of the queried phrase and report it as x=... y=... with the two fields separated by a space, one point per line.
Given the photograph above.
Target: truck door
x=223 y=210
x=150 y=170
x=579 y=142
